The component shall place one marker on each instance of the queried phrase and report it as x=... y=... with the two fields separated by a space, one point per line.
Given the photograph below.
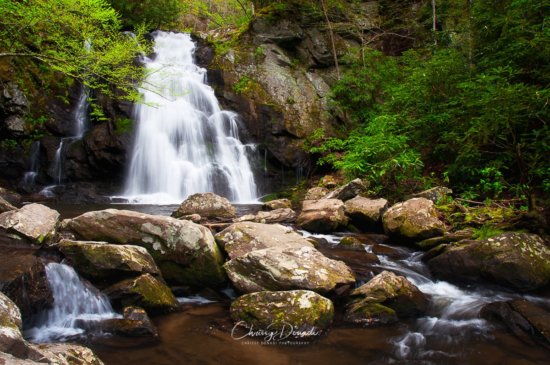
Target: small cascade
x=29 y=179
x=185 y=143
x=75 y=307
x=79 y=127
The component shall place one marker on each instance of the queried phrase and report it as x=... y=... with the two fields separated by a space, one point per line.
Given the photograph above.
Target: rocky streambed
x=209 y=285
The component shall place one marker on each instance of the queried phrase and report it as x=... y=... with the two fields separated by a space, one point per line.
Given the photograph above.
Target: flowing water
x=29 y=178
x=75 y=307
x=185 y=143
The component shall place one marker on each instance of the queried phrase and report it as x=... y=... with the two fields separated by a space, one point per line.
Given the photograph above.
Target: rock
x=328 y=181
x=301 y=313
x=384 y=299
x=5 y=206
x=185 y=252
x=136 y=323
x=23 y=279
x=33 y=223
x=517 y=260
x=366 y=214
x=352 y=243
x=316 y=193
x=348 y=191
x=464 y=234
x=67 y=354
x=10 y=196
x=106 y=150
x=324 y=215
x=242 y=238
x=433 y=194
x=277 y=204
x=144 y=291
x=99 y=261
x=278 y=268
x=524 y=319
x=283 y=215
x=415 y=219
x=207 y=205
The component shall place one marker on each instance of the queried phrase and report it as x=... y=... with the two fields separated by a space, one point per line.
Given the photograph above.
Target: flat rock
x=282 y=215
x=277 y=204
x=32 y=224
x=366 y=214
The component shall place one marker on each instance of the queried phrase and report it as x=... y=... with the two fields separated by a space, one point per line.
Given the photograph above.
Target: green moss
x=123 y=125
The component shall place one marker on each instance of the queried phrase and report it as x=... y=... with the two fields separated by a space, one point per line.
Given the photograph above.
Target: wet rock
x=415 y=219
x=348 y=191
x=207 y=205
x=67 y=354
x=283 y=215
x=5 y=206
x=305 y=312
x=352 y=243
x=316 y=193
x=10 y=196
x=136 y=323
x=524 y=319
x=433 y=194
x=32 y=224
x=384 y=299
x=23 y=279
x=324 y=215
x=288 y=268
x=517 y=260
x=145 y=291
x=447 y=237
x=106 y=151
x=185 y=252
x=99 y=261
x=277 y=204
x=242 y=238
x=366 y=214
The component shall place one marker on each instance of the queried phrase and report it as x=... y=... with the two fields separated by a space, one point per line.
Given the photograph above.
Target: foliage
x=79 y=39
x=243 y=85
x=155 y=14
x=486 y=231
x=221 y=13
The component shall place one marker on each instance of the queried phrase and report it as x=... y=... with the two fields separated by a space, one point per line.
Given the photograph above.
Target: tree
x=80 y=39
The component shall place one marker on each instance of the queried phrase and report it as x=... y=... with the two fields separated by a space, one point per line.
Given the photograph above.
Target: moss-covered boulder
x=144 y=291
x=280 y=268
x=277 y=204
x=300 y=311
x=207 y=205
x=517 y=260
x=324 y=215
x=244 y=237
x=185 y=252
x=32 y=224
x=23 y=279
x=415 y=219
x=384 y=299
x=103 y=262
x=365 y=213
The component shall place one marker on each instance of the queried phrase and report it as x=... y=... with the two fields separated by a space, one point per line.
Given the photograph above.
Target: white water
x=30 y=176
x=75 y=307
x=185 y=143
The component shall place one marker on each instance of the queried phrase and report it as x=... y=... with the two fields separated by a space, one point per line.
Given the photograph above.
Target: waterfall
x=29 y=178
x=185 y=143
x=74 y=307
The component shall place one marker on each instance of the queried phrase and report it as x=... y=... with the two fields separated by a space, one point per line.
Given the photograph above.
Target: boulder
x=433 y=194
x=448 y=237
x=185 y=252
x=280 y=268
x=32 y=224
x=23 y=279
x=384 y=299
x=99 y=261
x=242 y=238
x=277 y=204
x=348 y=191
x=523 y=318
x=144 y=291
x=415 y=219
x=5 y=206
x=207 y=205
x=10 y=196
x=324 y=215
x=316 y=193
x=351 y=243
x=365 y=213
x=283 y=215
x=301 y=313
x=328 y=181
x=517 y=260
x=135 y=323
x=67 y=354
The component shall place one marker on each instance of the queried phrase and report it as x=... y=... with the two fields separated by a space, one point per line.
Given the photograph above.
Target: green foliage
x=80 y=39
x=123 y=125
x=486 y=231
x=156 y=14
x=243 y=85
x=221 y=13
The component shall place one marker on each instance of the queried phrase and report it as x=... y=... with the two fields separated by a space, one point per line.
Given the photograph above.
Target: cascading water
x=29 y=178
x=185 y=143
x=74 y=307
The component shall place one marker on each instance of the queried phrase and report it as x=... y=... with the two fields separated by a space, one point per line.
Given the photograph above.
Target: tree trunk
x=331 y=34
x=434 y=18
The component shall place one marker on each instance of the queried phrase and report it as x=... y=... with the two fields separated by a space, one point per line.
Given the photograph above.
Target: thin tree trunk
x=331 y=34
x=434 y=18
